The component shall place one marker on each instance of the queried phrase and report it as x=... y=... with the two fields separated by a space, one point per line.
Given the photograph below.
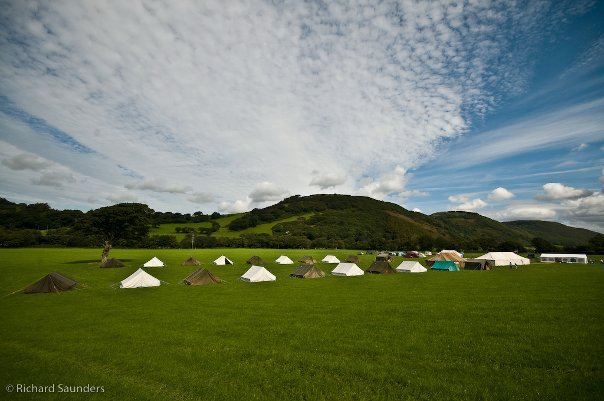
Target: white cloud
x=417 y=209
x=587 y=211
x=459 y=198
x=473 y=204
x=580 y=147
x=55 y=177
x=48 y=174
x=528 y=213
x=121 y=198
x=239 y=206
x=267 y=192
x=602 y=177
x=389 y=184
x=202 y=198
x=158 y=186
x=548 y=130
x=556 y=191
x=466 y=203
x=500 y=194
x=327 y=180
x=26 y=161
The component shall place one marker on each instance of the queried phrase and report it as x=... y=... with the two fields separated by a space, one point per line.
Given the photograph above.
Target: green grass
x=534 y=333
x=170 y=229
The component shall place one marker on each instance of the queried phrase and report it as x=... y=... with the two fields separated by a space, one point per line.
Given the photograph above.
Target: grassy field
x=170 y=229
x=534 y=333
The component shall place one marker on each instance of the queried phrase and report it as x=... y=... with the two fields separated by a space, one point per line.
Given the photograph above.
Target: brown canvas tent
x=380 y=267
x=459 y=261
x=191 y=262
x=308 y=271
x=113 y=262
x=201 y=277
x=255 y=261
x=477 y=264
x=307 y=260
x=353 y=259
x=53 y=282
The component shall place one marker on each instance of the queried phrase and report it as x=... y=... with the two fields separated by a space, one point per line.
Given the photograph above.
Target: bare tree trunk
x=105 y=254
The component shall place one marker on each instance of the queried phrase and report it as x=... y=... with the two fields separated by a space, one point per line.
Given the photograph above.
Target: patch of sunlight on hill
x=170 y=229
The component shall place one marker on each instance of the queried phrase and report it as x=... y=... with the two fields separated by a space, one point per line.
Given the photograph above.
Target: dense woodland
x=323 y=221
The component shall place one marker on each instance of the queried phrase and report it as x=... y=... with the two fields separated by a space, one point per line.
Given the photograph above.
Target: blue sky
x=495 y=107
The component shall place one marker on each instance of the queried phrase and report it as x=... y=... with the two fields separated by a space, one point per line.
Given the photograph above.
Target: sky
x=494 y=107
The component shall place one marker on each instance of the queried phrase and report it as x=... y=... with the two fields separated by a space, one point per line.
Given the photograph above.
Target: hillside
x=555 y=233
x=479 y=229
x=315 y=221
x=361 y=222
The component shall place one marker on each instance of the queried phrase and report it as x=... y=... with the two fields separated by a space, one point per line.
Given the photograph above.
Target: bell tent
x=308 y=271
x=284 y=260
x=256 y=274
x=191 y=262
x=201 y=277
x=139 y=279
x=353 y=259
x=411 y=267
x=255 y=260
x=223 y=260
x=307 y=260
x=154 y=262
x=380 y=267
x=53 y=282
x=330 y=259
x=348 y=270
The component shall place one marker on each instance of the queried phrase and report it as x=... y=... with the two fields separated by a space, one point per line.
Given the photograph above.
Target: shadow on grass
x=92 y=261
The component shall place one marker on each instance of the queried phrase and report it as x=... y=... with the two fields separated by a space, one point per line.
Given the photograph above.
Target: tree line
x=336 y=222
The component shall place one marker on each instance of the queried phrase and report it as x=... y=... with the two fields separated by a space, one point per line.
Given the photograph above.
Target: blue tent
x=446 y=265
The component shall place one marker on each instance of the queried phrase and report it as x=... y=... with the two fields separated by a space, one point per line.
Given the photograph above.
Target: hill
x=553 y=232
x=315 y=221
x=363 y=223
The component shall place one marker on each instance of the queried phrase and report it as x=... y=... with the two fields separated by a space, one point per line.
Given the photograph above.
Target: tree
x=597 y=243
x=122 y=224
x=542 y=245
x=511 y=246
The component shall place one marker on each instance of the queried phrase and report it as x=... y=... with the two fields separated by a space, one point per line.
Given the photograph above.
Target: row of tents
x=56 y=282
x=483 y=262
x=223 y=261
